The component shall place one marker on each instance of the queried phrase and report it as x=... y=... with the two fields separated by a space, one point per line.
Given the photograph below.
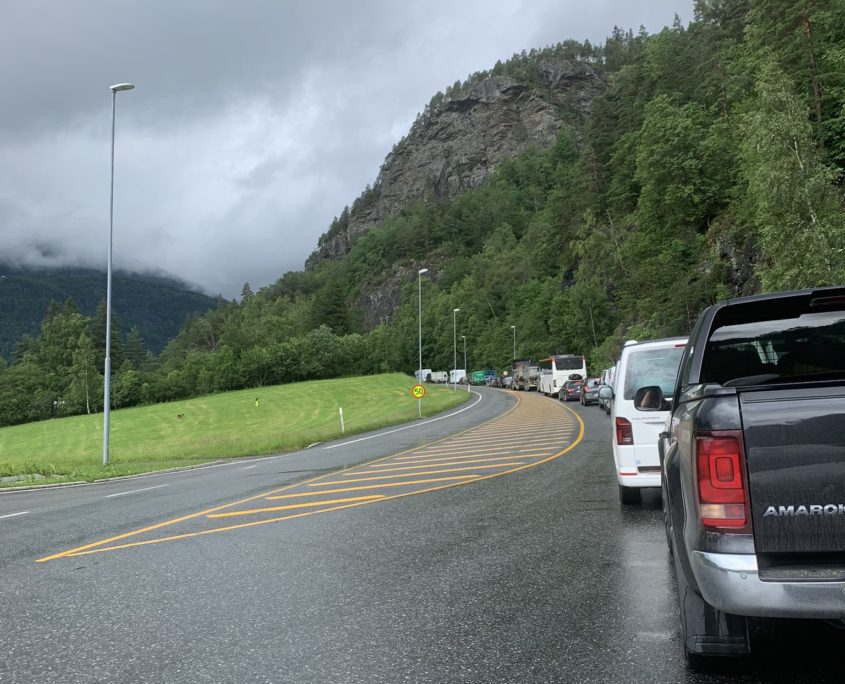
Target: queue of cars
x=742 y=428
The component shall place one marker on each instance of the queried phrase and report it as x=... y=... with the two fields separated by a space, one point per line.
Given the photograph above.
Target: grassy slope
x=286 y=418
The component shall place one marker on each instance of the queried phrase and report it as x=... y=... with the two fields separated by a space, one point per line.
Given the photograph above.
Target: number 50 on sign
x=418 y=392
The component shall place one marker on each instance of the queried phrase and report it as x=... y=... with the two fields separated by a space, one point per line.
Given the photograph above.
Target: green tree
x=790 y=194
x=86 y=385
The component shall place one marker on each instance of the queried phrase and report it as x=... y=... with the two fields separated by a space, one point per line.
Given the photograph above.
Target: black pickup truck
x=753 y=467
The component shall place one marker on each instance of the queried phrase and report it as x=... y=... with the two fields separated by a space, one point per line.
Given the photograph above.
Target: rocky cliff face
x=461 y=142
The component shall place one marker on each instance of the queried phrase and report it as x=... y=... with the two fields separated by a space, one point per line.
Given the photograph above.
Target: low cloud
x=251 y=126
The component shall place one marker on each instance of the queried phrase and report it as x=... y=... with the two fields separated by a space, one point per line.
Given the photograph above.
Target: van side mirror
x=650 y=399
x=606 y=393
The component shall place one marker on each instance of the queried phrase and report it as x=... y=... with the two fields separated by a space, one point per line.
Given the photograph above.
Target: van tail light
x=722 y=489
x=624 y=432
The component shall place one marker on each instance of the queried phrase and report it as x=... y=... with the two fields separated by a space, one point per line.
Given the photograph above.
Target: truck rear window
x=805 y=347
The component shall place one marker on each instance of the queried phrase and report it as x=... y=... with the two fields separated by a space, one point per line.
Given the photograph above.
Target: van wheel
x=630 y=496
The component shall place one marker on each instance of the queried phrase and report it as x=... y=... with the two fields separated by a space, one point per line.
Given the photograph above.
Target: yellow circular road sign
x=418 y=392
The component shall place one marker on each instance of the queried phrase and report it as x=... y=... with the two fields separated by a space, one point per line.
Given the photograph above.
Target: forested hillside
x=710 y=166
x=156 y=306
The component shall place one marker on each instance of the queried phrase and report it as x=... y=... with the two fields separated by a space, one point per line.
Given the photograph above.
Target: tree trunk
x=814 y=76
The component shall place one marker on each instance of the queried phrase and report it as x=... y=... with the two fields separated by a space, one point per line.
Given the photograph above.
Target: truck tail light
x=722 y=492
x=624 y=432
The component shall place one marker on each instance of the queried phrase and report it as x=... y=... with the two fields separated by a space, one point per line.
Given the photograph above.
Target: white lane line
x=408 y=427
x=14 y=515
x=135 y=491
x=250 y=467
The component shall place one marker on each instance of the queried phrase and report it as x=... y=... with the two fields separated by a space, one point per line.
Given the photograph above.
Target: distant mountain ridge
x=157 y=305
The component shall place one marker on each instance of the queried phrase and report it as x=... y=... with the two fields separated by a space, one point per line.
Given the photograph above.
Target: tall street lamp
x=455 y=347
x=107 y=386
x=419 y=376
x=464 y=338
x=513 y=327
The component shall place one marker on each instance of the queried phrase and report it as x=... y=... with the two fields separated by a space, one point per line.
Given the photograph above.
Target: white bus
x=555 y=370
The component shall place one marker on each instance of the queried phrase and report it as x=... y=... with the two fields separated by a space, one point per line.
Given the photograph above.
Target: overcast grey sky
x=252 y=124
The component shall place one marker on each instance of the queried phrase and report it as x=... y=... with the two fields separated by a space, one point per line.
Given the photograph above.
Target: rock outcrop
x=461 y=141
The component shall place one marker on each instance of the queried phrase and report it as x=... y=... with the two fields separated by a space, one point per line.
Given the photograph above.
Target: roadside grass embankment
x=251 y=422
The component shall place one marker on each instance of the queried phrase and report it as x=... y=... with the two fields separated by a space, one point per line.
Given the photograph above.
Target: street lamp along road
x=464 y=338
x=455 y=347
x=107 y=380
x=513 y=358
x=419 y=375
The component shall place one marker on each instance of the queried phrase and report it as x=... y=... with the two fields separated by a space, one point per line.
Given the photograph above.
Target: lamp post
x=455 y=346
x=464 y=338
x=107 y=380
x=419 y=376
x=513 y=358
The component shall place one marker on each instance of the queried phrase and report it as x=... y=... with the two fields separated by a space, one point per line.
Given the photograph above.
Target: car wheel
x=630 y=496
x=667 y=516
x=708 y=636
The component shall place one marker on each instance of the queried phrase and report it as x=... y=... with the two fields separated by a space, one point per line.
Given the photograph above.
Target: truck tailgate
x=795 y=450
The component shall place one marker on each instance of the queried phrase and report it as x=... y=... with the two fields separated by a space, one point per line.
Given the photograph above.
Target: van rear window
x=801 y=348
x=648 y=367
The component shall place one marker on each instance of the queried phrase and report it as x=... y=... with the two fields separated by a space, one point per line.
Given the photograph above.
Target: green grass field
x=194 y=431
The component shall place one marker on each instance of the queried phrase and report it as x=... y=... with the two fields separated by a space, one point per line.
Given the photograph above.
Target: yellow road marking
x=98 y=547
x=470 y=453
x=375 y=486
x=467 y=445
x=309 y=504
x=424 y=472
x=157 y=526
x=383 y=469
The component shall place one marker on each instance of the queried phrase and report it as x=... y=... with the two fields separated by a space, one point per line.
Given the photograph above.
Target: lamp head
x=422 y=270
x=121 y=86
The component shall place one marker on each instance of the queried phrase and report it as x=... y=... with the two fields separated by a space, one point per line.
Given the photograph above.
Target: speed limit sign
x=418 y=392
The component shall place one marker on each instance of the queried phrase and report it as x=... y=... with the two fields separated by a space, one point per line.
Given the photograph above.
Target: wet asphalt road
x=535 y=575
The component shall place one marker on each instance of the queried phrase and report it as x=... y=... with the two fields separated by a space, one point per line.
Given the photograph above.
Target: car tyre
x=667 y=516
x=630 y=496
x=696 y=615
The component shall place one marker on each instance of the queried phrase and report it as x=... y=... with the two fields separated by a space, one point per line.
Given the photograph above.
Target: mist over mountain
x=157 y=305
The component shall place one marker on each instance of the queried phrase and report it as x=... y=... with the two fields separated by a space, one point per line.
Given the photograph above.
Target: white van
x=636 y=428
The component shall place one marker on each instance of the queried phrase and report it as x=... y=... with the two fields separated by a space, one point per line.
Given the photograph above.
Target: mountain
x=567 y=200
x=157 y=306
x=464 y=135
